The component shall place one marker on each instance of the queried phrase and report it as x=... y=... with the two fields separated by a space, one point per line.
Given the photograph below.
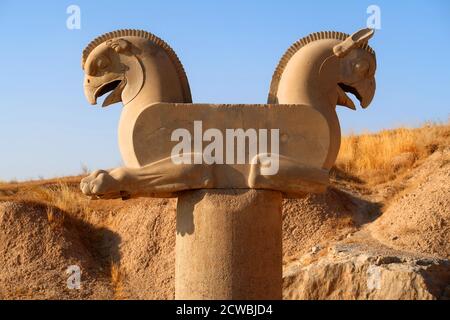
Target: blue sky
x=229 y=50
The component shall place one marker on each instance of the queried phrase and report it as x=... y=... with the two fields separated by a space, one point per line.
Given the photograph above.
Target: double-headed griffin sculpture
x=140 y=70
x=229 y=225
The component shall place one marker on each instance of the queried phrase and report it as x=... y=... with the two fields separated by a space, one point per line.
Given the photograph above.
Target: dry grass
x=61 y=196
x=378 y=157
x=60 y=200
x=55 y=218
x=117 y=281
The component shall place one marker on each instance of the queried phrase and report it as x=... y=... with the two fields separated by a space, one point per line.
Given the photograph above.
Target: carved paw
x=103 y=184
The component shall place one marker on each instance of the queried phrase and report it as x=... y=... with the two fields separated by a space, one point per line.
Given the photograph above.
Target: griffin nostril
x=88 y=81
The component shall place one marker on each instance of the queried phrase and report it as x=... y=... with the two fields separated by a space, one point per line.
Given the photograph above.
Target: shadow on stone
x=185 y=211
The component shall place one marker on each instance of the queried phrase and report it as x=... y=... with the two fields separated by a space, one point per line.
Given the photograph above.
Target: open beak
x=93 y=92
x=89 y=93
x=366 y=91
x=363 y=90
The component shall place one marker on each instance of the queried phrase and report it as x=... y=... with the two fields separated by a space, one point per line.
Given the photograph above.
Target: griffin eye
x=102 y=62
x=361 y=67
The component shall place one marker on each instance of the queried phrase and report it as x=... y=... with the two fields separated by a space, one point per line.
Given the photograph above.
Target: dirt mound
x=146 y=261
x=418 y=219
x=320 y=218
x=37 y=246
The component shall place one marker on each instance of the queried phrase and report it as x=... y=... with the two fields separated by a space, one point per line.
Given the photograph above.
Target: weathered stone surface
x=228 y=245
x=303 y=131
x=147 y=144
x=350 y=272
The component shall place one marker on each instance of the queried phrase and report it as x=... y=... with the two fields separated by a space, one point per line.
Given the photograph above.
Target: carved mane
x=151 y=37
x=294 y=48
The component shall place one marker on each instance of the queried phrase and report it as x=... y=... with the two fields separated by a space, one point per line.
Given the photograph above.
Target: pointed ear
x=362 y=35
x=358 y=38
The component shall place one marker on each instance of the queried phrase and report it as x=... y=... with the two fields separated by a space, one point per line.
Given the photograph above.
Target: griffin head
x=357 y=69
x=110 y=65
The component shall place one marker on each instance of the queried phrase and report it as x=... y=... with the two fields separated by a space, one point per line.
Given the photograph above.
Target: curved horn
x=359 y=37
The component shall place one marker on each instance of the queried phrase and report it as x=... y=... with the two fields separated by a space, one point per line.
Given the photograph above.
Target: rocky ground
x=388 y=240
x=393 y=246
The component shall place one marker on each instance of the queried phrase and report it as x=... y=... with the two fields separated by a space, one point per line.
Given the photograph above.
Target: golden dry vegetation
x=117 y=281
x=60 y=196
x=378 y=157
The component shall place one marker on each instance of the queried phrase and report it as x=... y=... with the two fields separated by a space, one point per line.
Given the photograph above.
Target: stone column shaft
x=228 y=245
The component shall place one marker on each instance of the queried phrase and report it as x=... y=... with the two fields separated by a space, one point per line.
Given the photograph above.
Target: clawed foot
x=263 y=170
x=102 y=184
